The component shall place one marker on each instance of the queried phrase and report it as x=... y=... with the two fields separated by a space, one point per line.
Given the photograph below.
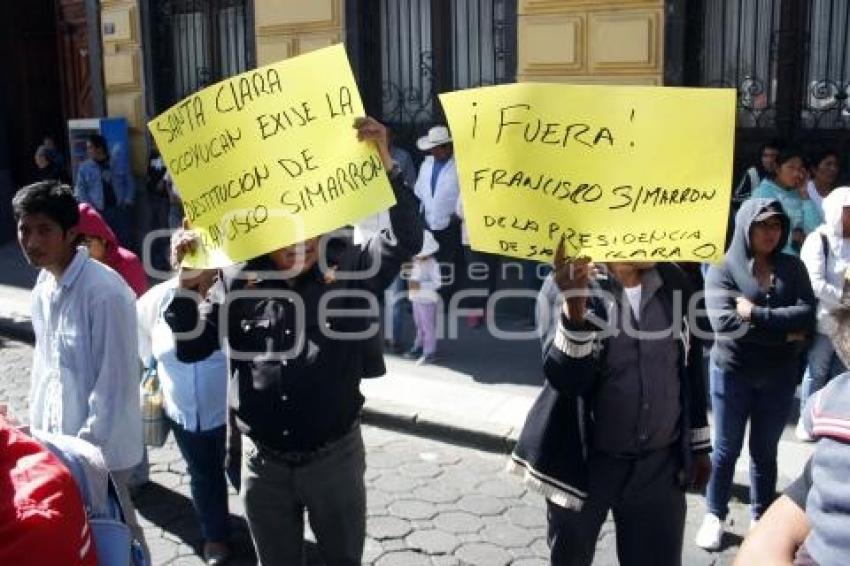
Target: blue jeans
x=766 y=404
x=204 y=455
x=824 y=364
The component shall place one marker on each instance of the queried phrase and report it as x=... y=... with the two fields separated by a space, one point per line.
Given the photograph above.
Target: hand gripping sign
x=268 y=158
x=618 y=172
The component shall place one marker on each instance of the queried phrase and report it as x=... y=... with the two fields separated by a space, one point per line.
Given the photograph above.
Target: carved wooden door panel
x=74 y=68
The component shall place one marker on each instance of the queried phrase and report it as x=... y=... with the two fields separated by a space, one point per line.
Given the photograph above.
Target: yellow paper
x=269 y=157
x=620 y=172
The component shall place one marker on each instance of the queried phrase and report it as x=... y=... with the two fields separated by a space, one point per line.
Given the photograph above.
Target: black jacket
x=553 y=448
x=294 y=383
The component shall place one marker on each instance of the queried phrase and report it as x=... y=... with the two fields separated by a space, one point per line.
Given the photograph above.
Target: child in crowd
x=424 y=280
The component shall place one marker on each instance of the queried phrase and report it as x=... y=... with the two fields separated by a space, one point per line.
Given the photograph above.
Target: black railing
x=770 y=48
x=788 y=60
x=197 y=43
x=430 y=46
x=827 y=82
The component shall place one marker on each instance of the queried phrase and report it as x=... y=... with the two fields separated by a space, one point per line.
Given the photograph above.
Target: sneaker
x=427 y=359
x=801 y=434
x=413 y=353
x=710 y=533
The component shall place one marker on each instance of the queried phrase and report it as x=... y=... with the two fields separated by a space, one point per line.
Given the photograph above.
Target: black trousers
x=649 y=512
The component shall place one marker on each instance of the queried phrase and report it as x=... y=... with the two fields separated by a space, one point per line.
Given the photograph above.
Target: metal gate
x=406 y=52
x=196 y=43
x=788 y=60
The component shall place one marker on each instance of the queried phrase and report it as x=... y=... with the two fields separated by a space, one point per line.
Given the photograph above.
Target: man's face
x=442 y=152
x=768 y=159
x=43 y=241
x=297 y=258
x=95 y=152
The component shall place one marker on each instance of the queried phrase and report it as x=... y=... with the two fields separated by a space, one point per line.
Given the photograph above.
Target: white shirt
x=633 y=295
x=195 y=395
x=826 y=274
x=426 y=275
x=440 y=206
x=85 y=373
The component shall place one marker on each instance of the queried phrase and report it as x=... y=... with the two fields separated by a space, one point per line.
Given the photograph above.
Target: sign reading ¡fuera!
x=269 y=157
x=617 y=172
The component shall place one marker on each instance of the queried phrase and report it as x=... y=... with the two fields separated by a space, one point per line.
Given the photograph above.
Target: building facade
x=788 y=59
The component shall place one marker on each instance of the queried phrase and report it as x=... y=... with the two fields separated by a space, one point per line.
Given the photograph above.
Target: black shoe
x=393 y=347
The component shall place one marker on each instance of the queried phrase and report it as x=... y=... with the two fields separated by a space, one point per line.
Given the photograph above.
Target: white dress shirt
x=85 y=379
x=195 y=395
x=440 y=205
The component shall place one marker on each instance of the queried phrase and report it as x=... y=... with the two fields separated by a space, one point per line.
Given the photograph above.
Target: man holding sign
x=621 y=422
x=300 y=326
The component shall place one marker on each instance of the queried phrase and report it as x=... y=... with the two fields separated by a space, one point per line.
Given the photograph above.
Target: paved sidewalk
x=429 y=502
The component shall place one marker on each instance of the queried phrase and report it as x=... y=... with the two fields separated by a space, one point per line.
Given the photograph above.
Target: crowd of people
x=269 y=399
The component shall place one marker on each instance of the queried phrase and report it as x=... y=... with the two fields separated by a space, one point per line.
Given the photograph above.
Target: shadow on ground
x=174 y=514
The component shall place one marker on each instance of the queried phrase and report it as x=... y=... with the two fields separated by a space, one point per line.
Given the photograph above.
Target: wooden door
x=74 y=67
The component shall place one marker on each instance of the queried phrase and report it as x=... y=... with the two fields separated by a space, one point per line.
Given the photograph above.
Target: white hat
x=438 y=135
x=429 y=245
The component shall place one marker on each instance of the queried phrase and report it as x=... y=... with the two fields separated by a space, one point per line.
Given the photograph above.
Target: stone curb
x=474 y=434
x=17 y=328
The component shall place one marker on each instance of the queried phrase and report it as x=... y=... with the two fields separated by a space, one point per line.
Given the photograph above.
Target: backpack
x=112 y=537
x=42 y=516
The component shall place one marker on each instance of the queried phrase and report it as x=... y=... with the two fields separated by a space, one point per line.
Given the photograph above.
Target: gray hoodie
x=827 y=418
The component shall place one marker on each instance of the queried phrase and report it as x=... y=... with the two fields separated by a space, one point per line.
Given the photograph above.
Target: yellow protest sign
x=618 y=172
x=269 y=157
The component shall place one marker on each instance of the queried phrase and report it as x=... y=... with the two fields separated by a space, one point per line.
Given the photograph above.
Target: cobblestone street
x=429 y=502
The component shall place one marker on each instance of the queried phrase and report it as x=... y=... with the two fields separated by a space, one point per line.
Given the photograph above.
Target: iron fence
x=430 y=46
x=197 y=43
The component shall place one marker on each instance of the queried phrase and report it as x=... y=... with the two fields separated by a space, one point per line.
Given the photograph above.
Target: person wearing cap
x=762 y=309
x=423 y=283
x=438 y=189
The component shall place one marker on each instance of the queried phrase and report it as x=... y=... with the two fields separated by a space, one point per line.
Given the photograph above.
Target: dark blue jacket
x=759 y=349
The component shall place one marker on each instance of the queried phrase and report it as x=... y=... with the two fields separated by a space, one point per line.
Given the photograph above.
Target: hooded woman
x=103 y=246
x=761 y=306
x=826 y=254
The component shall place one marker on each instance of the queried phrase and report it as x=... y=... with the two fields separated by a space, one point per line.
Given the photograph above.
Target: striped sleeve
x=575 y=344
